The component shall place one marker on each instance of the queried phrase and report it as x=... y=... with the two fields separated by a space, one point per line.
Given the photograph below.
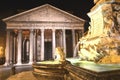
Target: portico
x=33 y=35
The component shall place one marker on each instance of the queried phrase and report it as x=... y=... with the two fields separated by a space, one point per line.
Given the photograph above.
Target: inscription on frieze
x=97 y=21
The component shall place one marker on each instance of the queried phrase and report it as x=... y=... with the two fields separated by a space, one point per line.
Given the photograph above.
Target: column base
x=6 y=64
x=30 y=63
x=19 y=63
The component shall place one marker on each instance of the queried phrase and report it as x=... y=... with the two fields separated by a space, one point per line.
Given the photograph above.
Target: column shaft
x=7 y=54
x=31 y=47
x=11 y=47
x=53 y=43
x=64 y=41
x=19 y=50
x=73 y=39
x=35 y=47
x=42 y=44
x=14 y=49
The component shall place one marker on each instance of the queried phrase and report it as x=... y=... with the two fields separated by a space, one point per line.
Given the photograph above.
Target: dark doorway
x=25 y=53
x=69 y=45
x=48 y=50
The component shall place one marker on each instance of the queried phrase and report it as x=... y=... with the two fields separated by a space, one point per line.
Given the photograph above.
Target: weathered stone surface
x=45 y=16
x=89 y=71
x=103 y=37
x=23 y=76
x=111 y=59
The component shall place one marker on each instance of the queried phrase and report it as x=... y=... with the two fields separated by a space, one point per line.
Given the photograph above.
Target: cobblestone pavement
x=27 y=75
x=7 y=71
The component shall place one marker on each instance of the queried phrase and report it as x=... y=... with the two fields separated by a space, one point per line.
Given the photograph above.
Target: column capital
x=8 y=30
x=20 y=30
x=63 y=29
x=73 y=29
x=53 y=30
x=31 y=30
x=42 y=30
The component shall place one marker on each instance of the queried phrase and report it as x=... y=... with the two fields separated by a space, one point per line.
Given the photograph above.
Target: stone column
x=35 y=46
x=61 y=39
x=73 y=39
x=31 y=47
x=42 y=44
x=19 y=48
x=38 y=47
x=14 y=49
x=53 y=43
x=7 y=51
x=11 y=47
x=64 y=41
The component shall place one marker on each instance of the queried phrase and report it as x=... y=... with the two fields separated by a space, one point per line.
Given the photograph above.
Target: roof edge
x=5 y=19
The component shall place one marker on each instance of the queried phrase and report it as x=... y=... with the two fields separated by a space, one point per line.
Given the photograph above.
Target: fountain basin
x=49 y=70
x=87 y=70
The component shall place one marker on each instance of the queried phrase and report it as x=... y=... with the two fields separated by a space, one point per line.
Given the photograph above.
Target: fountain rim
x=40 y=65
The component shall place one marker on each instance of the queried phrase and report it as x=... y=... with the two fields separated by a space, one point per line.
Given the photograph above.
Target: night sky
x=78 y=8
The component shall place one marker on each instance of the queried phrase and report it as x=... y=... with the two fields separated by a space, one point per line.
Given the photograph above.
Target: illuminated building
x=103 y=35
x=33 y=35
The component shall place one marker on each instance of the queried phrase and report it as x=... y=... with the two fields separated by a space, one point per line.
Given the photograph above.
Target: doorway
x=48 y=50
x=69 y=45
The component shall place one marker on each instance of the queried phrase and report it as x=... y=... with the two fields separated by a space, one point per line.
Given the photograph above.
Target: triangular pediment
x=44 y=13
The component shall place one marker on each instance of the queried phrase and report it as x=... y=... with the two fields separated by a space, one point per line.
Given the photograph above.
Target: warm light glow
x=102 y=42
x=60 y=55
x=48 y=62
x=1 y=51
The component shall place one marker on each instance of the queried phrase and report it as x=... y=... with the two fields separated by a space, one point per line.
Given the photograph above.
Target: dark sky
x=79 y=8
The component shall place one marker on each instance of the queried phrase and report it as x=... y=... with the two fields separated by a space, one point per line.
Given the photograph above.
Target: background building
x=33 y=35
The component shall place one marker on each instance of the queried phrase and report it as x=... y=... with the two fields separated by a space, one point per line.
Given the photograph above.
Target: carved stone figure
x=108 y=20
x=116 y=15
x=98 y=48
x=60 y=55
x=95 y=1
x=118 y=18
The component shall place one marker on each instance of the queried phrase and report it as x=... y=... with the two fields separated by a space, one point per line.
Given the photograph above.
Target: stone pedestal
x=93 y=71
x=102 y=38
x=49 y=71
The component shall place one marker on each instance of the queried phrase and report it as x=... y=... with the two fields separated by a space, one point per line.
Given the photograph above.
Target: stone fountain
x=101 y=43
x=52 y=70
x=99 y=49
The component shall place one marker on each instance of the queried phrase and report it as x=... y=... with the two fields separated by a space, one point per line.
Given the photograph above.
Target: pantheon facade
x=33 y=35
